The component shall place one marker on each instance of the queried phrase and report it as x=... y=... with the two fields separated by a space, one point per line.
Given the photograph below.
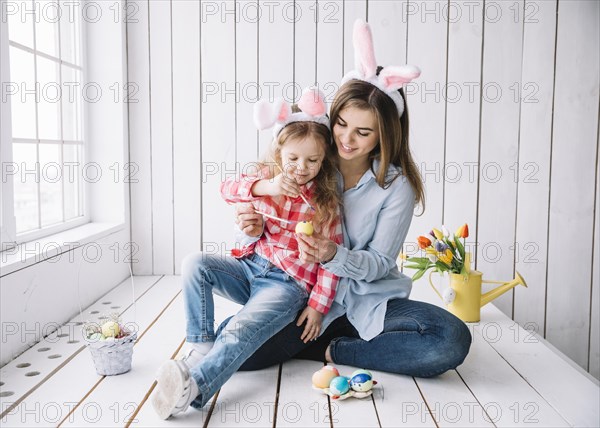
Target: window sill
x=29 y=253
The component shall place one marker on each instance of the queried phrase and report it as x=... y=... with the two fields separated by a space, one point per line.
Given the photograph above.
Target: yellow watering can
x=464 y=299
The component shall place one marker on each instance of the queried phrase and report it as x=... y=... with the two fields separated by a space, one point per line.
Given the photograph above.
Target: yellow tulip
x=438 y=233
x=446 y=256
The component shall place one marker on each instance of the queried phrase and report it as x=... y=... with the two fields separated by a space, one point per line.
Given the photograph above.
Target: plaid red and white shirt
x=278 y=243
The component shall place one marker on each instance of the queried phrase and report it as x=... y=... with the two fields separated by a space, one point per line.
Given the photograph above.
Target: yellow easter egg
x=305 y=227
x=110 y=329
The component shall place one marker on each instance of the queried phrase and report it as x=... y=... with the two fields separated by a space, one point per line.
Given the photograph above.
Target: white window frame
x=9 y=237
x=105 y=146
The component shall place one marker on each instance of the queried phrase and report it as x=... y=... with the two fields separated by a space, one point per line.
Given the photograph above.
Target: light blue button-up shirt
x=375 y=224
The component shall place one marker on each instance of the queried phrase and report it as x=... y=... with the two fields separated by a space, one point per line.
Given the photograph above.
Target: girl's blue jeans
x=271 y=299
x=418 y=339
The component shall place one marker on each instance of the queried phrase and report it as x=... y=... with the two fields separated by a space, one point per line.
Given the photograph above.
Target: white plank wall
x=463 y=108
x=571 y=195
x=275 y=56
x=218 y=120
x=305 y=39
x=187 y=188
x=246 y=33
x=594 y=367
x=533 y=183
x=353 y=10
x=197 y=67
x=499 y=143
x=161 y=128
x=330 y=47
x=138 y=62
x=427 y=48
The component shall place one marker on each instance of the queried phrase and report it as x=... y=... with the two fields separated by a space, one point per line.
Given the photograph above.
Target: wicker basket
x=112 y=357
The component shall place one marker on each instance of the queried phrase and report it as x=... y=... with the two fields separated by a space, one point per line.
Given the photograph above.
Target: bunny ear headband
x=279 y=113
x=390 y=78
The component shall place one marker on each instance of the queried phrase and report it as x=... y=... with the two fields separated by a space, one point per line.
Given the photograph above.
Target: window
x=46 y=116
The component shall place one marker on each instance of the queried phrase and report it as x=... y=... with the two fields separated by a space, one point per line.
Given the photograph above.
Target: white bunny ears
x=390 y=78
x=279 y=113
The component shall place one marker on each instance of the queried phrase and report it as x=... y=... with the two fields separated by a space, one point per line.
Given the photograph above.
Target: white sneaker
x=175 y=390
x=191 y=357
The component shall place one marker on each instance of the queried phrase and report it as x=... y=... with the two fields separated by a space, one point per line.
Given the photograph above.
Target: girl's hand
x=247 y=220
x=313 y=323
x=315 y=248
x=278 y=185
x=283 y=185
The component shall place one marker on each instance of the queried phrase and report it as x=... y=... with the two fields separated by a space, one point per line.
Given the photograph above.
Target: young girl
x=266 y=276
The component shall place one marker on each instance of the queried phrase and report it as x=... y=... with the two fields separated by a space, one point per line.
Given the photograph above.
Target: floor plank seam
x=276 y=406
x=150 y=390
x=530 y=385
x=489 y=419
x=426 y=403
x=376 y=412
x=211 y=409
x=82 y=400
x=39 y=384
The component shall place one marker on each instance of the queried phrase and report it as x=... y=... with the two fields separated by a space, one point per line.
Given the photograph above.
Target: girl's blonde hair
x=326 y=200
x=393 y=145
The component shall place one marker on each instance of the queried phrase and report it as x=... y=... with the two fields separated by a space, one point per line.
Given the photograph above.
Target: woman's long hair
x=393 y=147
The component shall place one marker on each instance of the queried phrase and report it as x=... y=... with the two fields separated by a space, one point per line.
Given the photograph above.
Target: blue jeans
x=271 y=299
x=418 y=339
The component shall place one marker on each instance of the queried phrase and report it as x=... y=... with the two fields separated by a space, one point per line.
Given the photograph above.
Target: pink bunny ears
x=279 y=113
x=390 y=78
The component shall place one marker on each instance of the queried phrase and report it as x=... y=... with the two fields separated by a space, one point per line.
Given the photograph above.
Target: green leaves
x=460 y=247
x=418 y=275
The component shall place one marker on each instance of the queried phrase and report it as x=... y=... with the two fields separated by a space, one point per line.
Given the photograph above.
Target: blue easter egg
x=367 y=372
x=339 y=385
x=361 y=382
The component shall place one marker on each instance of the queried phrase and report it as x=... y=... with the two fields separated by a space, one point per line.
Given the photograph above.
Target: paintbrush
x=273 y=217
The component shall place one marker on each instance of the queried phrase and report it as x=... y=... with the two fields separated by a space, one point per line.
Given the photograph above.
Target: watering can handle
x=433 y=286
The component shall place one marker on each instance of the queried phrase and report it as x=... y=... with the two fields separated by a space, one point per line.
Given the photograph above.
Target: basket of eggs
x=111 y=346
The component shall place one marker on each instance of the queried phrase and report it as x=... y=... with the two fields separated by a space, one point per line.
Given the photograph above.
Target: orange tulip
x=463 y=231
x=423 y=242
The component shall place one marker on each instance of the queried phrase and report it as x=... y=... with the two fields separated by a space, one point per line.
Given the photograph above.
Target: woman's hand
x=248 y=220
x=315 y=248
x=312 y=328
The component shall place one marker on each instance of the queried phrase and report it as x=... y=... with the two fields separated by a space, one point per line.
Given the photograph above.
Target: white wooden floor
x=510 y=378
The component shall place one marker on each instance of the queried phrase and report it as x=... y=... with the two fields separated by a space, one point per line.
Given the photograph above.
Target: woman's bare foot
x=328 y=354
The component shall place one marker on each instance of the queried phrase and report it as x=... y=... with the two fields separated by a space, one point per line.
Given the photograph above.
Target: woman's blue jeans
x=271 y=299
x=418 y=339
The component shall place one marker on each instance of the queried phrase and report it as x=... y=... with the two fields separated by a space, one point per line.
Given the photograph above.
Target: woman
x=372 y=324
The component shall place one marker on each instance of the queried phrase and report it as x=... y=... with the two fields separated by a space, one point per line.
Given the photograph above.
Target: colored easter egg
x=361 y=382
x=94 y=337
x=339 y=385
x=322 y=378
x=367 y=372
x=305 y=227
x=110 y=329
x=448 y=295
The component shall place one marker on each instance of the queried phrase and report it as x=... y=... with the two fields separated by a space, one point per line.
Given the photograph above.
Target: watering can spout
x=501 y=289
